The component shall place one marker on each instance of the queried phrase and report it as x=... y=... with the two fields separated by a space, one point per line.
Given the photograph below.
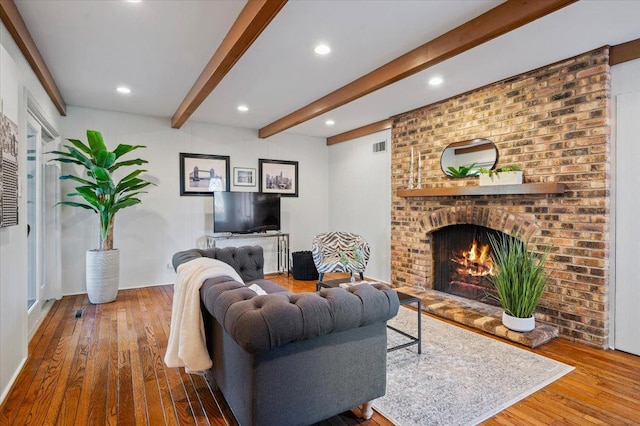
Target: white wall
x=360 y=197
x=625 y=233
x=13 y=240
x=150 y=233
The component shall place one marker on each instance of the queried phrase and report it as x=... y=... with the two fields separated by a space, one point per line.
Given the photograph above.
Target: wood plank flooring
x=106 y=367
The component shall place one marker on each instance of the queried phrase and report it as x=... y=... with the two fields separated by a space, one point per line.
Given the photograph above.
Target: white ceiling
x=159 y=47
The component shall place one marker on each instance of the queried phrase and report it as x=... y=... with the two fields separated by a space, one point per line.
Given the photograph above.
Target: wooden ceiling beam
x=624 y=52
x=253 y=19
x=18 y=29
x=498 y=21
x=360 y=131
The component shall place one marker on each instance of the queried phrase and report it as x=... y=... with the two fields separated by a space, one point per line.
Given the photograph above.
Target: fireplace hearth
x=463 y=262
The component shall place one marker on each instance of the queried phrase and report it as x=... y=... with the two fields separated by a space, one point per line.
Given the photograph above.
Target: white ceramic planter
x=518 y=324
x=103 y=275
x=501 y=178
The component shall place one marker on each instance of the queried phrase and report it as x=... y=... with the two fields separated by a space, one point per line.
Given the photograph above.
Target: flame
x=476 y=261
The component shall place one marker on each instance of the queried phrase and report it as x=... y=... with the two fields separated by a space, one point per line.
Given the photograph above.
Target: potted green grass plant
x=519 y=281
x=105 y=196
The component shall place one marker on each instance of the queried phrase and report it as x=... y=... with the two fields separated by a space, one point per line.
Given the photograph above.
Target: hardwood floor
x=106 y=367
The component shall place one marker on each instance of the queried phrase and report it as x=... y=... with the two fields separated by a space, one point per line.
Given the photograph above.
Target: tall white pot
x=103 y=275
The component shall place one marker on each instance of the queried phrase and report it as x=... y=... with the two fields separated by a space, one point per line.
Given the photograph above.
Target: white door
x=34 y=223
x=43 y=219
x=627 y=205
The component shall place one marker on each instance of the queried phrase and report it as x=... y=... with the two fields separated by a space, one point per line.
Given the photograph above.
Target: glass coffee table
x=405 y=299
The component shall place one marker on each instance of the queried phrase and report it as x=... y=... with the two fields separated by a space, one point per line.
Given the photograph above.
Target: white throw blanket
x=187 y=346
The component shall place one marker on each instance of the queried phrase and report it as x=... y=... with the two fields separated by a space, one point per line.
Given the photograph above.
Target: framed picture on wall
x=243 y=176
x=10 y=93
x=279 y=177
x=202 y=174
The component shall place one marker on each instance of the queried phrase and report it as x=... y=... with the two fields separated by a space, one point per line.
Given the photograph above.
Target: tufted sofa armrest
x=248 y=261
x=261 y=323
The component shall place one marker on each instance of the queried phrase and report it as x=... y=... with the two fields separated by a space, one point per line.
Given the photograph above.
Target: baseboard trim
x=122 y=288
x=13 y=379
x=43 y=313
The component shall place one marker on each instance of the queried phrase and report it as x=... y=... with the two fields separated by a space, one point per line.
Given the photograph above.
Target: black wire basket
x=303 y=267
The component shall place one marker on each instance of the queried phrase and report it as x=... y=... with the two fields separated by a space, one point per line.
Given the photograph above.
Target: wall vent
x=379 y=147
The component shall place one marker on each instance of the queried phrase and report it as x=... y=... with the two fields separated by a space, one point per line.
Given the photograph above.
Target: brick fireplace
x=554 y=123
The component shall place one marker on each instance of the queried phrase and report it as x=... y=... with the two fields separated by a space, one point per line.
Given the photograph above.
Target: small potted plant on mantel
x=504 y=175
x=519 y=281
x=462 y=171
x=105 y=197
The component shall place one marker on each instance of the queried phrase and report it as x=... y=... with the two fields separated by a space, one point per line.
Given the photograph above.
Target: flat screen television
x=245 y=212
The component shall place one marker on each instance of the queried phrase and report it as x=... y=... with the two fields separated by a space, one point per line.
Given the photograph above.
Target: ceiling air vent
x=379 y=147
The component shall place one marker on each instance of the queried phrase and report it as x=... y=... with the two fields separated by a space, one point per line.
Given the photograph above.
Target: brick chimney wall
x=555 y=123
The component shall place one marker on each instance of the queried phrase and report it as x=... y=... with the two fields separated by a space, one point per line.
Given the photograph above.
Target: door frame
x=36 y=119
x=35 y=310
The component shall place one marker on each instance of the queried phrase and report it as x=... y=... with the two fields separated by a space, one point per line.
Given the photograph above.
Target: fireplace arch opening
x=463 y=262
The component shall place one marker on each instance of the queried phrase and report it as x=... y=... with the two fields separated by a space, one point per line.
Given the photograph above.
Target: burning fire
x=476 y=262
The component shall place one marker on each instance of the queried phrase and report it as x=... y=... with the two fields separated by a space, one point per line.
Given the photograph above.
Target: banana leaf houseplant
x=519 y=281
x=104 y=196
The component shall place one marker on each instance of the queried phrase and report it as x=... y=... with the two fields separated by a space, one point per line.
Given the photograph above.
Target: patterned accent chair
x=340 y=252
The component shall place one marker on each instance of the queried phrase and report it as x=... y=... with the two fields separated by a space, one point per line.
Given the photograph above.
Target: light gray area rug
x=461 y=377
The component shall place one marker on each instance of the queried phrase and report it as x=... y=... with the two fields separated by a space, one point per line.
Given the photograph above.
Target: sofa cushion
x=261 y=323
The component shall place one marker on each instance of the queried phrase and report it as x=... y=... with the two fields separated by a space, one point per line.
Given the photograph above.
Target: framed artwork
x=9 y=95
x=279 y=177
x=243 y=176
x=202 y=174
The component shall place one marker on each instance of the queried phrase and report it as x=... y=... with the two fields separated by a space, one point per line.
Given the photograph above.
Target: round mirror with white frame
x=463 y=159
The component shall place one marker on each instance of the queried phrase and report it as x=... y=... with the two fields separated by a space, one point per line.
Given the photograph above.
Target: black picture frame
x=196 y=171
x=244 y=176
x=9 y=172
x=279 y=177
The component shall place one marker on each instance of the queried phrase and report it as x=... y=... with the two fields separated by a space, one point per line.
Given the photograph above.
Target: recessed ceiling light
x=435 y=81
x=243 y=108
x=329 y=122
x=123 y=90
x=134 y=1
x=322 y=49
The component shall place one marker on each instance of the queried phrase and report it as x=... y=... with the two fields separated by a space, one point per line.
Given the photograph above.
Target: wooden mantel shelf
x=454 y=191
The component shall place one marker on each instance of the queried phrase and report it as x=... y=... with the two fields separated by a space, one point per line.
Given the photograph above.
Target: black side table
x=406 y=299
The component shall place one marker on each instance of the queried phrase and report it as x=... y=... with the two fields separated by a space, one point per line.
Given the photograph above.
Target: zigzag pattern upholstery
x=330 y=249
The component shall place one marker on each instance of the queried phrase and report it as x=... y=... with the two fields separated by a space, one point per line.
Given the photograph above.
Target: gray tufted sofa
x=292 y=358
